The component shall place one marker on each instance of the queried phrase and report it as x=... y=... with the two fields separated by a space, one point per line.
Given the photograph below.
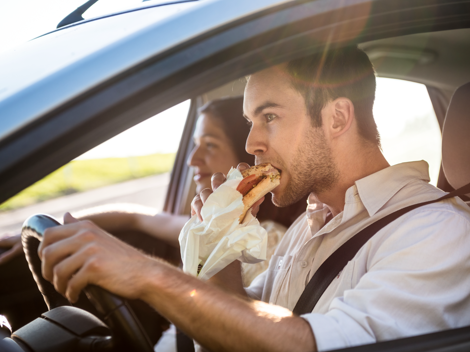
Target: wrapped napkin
x=220 y=238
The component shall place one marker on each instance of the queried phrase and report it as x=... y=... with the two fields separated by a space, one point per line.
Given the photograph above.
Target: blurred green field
x=83 y=175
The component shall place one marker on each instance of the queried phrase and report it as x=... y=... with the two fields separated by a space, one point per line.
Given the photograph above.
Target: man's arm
x=223 y=322
x=79 y=253
x=230 y=279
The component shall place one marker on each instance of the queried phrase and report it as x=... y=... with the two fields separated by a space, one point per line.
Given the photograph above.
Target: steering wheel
x=128 y=334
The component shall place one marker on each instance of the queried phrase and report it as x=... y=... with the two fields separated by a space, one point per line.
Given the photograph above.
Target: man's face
x=282 y=135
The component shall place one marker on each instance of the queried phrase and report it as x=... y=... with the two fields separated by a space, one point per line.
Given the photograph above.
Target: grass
x=83 y=175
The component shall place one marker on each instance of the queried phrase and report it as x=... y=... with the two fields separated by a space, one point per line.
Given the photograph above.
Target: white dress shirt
x=411 y=278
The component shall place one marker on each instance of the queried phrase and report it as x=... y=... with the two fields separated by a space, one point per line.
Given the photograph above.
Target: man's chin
x=283 y=196
x=277 y=197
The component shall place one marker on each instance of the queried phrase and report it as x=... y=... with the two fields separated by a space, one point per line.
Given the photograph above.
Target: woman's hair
x=228 y=113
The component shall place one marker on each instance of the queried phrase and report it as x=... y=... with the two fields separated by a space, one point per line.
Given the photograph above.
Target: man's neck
x=350 y=170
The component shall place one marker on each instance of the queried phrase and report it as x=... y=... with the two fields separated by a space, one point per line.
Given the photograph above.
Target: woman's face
x=212 y=152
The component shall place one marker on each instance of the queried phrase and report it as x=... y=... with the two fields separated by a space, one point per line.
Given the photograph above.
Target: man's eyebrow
x=268 y=104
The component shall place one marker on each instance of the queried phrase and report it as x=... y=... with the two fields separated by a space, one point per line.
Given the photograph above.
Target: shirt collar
x=372 y=191
x=377 y=189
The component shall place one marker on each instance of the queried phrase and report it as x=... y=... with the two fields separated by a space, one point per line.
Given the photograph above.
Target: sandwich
x=257 y=181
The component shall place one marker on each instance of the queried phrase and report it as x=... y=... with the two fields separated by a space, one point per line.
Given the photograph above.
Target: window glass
x=407 y=124
x=133 y=167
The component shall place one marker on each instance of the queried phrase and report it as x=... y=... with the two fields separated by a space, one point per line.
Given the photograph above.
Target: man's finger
x=64 y=271
x=76 y=284
x=217 y=179
x=58 y=233
x=69 y=219
x=243 y=166
x=56 y=252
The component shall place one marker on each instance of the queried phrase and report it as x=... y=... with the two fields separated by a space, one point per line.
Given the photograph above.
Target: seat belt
x=338 y=260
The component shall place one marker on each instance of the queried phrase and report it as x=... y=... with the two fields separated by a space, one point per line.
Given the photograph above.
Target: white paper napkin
x=220 y=239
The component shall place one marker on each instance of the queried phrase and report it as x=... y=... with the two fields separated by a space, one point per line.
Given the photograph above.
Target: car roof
x=52 y=69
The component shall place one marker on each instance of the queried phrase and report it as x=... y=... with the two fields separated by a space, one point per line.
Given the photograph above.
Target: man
x=312 y=119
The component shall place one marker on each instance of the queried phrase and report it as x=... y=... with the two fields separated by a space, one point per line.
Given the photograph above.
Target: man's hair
x=326 y=76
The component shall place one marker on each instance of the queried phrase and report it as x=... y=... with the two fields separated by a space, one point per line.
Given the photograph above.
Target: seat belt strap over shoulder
x=338 y=260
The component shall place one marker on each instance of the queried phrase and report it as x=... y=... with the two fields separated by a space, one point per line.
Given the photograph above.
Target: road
x=149 y=191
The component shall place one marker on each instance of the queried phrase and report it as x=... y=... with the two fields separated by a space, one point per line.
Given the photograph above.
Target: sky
x=398 y=104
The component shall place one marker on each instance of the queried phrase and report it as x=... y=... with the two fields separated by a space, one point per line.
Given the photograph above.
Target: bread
x=267 y=178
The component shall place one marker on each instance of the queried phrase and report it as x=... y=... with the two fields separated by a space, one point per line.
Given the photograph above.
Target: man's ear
x=341 y=116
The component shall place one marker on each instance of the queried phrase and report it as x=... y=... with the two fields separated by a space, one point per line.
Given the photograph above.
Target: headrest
x=456 y=139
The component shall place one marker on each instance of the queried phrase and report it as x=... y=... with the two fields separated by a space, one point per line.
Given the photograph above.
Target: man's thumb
x=69 y=219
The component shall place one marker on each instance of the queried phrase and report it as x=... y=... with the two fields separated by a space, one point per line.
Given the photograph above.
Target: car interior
x=439 y=60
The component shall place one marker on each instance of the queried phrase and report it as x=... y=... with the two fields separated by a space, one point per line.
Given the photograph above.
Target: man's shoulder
x=419 y=192
x=428 y=228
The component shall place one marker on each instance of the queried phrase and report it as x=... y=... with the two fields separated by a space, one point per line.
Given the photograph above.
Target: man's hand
x=13 y=242
x=79 y=253
x=217 y=179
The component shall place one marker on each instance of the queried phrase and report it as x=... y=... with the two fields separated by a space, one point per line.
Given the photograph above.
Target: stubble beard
x=312 y=170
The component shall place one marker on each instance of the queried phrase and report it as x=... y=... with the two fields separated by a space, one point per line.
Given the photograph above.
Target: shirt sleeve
x=416 y=282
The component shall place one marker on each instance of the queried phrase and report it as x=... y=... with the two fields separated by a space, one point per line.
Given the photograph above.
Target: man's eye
x=210 y=145
x=270 y=117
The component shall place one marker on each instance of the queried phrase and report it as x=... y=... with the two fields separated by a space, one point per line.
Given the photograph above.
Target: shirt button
x=303 y=263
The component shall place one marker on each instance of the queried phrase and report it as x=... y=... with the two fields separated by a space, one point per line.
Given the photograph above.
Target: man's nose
x=256 y=142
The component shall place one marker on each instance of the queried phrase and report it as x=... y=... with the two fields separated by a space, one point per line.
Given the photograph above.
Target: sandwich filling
x=248 y=183
x=254 y=175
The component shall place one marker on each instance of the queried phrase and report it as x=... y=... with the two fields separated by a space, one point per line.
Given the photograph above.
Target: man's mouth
x=273 y=165
x=259 y=160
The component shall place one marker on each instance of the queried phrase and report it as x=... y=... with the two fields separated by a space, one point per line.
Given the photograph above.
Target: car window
x=407 y=124
x=133 y=167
